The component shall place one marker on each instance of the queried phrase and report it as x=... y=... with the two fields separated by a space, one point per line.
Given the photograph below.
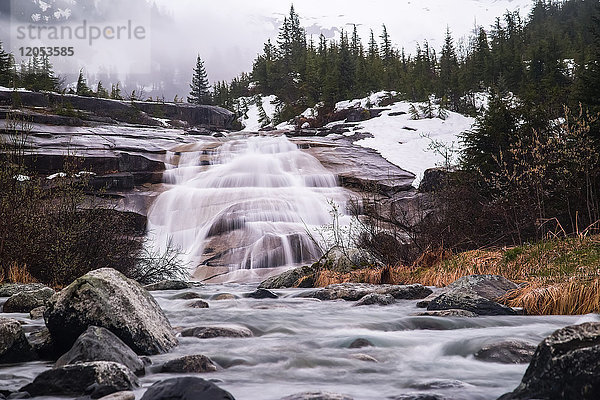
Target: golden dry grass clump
x=557 y=276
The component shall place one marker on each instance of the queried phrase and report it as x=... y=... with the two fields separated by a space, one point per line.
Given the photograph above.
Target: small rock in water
x=425 y=302
x=446 y=313
x=374 y=298
x=187 y=364
x=119 y=396
x=356 y=291
x=186 y=388
x=100 y=344
x=469 y=301
x=198 y=304
x=37 y=313
x=224 y=296
x=364 y=357
x=262 y=294
x=43 y=346
x=168 y=285
x=419 y=396
x=186 y=296
x=317 y=396
x=360 y=343
x=507 y=352
x=24 y=302
x=14 y=347
x=94 y=378
x=208 y=332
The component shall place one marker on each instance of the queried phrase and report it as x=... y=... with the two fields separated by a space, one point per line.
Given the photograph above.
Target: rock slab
x=14 y=347
x=186 y=388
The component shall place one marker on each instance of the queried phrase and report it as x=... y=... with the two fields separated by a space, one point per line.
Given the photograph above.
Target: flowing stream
x=245 y=204
x=303 y=345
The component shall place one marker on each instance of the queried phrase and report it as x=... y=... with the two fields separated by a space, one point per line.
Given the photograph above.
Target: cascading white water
x=246 y=204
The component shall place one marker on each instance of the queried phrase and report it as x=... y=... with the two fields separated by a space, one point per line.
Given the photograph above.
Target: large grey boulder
x=96 y=379
x=100 y=344
x=476 y=293
x=186 y=388
x=565 y=366
x=507 y=352
x=14 y=347
x=24 y=302
x=356 y=291
x=106 y=298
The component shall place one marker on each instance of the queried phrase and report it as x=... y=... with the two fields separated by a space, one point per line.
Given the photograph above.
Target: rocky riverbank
x=105 y=336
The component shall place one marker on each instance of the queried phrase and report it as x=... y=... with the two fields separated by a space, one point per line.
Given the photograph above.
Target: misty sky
x=228 y=34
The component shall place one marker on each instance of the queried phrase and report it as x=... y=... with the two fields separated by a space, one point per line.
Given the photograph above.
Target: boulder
x=187 y=364
x=186 y=388
x=262 y=294
x=360 y=343
x=186 y=296
x=507 y=352
x=374 y=298
x=168 y=285
x=100 y=344
x=224 y=296
x=298 y=277
x=24 y=302
x=106 y=298
x=475 y=293
x=209 y=332
x=565 y=365
x=37 y=313
x=96 y=379
x=43 y=345
x=470 y=302
x=419 y=396
x=356 y=291
x=198 y=304
x=14 y=347
x=10 y=289
x=446 y=313
x=317 y=396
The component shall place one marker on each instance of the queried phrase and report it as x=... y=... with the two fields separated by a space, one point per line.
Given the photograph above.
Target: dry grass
x=16 y=274
x=557 y=276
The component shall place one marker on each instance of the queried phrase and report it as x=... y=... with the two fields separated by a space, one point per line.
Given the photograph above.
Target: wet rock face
x=96 y=379
x=566 y=365
x=100 y=344
x=186 y=388
x=10 y=289
x=13 y=344
x=108 y=299
x=446 y=313
x=376 y=299
x=297 y=277
x=26 y=301
x=262 y=294
x=168 y=285
x=507 y=352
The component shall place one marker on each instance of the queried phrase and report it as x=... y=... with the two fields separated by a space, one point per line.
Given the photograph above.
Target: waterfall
x=246 y=203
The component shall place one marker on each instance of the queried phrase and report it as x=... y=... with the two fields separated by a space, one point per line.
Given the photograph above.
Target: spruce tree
x=82 y=87
x=5 y=67
x=200 y=88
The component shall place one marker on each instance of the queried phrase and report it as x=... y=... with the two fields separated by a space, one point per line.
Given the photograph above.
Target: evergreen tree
x=101 y=91
x=200 y=88
x=82 y=87
x=449 y=69
x=115 y=92
x=5 y=67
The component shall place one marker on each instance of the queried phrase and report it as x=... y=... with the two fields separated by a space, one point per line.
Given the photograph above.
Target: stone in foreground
x=106 y=298
x=565 y=366
x=96 y=379
x=507 y=352
x=188 y=364
x=14 y=347
x=100 y=344
x=186 y=388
